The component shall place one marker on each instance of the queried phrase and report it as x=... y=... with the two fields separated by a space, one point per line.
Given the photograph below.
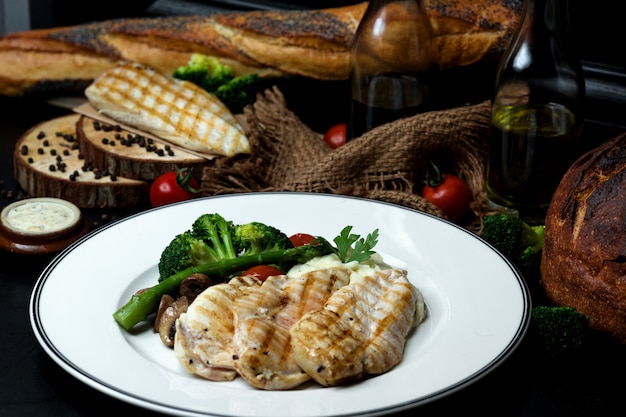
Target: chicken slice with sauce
x=204 y=334
x=263 y=317
x=361 y=330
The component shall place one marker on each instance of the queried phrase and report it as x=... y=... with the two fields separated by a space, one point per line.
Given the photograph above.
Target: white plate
x=478 y=308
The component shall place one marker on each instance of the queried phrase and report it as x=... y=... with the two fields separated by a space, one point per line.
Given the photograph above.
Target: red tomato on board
x=300 y=239
x=173 y=187
x=336 y=136
x=450 y=193
x=262 y=272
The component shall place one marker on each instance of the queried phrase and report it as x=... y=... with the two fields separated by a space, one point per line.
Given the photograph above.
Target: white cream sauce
x=359 y=270
x=40 y=216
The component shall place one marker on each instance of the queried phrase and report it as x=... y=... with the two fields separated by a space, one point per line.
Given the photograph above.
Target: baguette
x=311 y=43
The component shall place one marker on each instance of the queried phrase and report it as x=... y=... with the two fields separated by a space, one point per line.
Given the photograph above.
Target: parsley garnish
x=362 y=250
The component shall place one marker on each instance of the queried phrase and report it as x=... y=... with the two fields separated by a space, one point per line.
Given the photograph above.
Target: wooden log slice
x=48 y=163
x=119 y=152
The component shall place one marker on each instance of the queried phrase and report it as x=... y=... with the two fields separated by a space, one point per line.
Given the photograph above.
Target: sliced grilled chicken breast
x=263 y=317
x=361 y=329
x=204 y=334
x=177 y=111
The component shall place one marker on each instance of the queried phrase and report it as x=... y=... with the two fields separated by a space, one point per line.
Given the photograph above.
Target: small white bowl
x=40 y=225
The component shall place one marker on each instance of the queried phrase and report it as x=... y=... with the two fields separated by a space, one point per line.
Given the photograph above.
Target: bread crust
x=312 y=43
x=584 y=258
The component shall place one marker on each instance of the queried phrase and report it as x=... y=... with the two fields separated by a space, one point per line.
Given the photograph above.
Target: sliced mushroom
x=167 y=321
x=166 y=301
x=193 y=285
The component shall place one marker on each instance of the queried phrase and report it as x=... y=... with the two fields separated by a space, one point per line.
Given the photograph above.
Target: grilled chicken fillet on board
x=177 y=111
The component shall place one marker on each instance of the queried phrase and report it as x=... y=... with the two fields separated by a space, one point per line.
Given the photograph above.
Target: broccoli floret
x=559 y=331
x=255 y=237
x=217 y=233
x=503 y=232
x=208 y=240
x=217 y=78
x=183 y=251
x=205 y=71
x=514 y=238
x=239 y=92
x=195 y=70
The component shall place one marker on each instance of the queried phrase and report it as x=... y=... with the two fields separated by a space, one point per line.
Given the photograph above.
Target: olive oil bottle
x=537 y=112
x=391 y=64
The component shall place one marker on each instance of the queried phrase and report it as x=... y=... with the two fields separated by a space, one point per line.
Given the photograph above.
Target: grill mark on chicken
x=361 y=330
x=263 y=317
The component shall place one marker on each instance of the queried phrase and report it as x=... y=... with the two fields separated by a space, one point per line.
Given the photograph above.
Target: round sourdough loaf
x=48 y=163
x=110 y=148
x=584 y=259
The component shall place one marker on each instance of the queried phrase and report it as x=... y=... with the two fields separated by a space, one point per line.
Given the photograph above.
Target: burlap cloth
x=386 y=163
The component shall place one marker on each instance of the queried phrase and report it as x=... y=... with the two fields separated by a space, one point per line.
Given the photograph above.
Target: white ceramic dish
x=478 y=308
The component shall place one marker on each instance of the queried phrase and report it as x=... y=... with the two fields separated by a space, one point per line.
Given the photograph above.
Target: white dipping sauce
x=40 y=215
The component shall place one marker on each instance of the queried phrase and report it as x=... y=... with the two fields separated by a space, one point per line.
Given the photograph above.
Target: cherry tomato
x=448 y=192
x=300 y=239
x=336 y=136
x=173 y=187
x=262 y=272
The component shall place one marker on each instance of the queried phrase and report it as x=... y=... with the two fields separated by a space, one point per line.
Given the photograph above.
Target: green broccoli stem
x=142 y=304
x=532 y=236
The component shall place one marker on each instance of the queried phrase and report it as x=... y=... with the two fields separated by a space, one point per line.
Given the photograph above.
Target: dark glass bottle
x=391 y=64
x=537 y=112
